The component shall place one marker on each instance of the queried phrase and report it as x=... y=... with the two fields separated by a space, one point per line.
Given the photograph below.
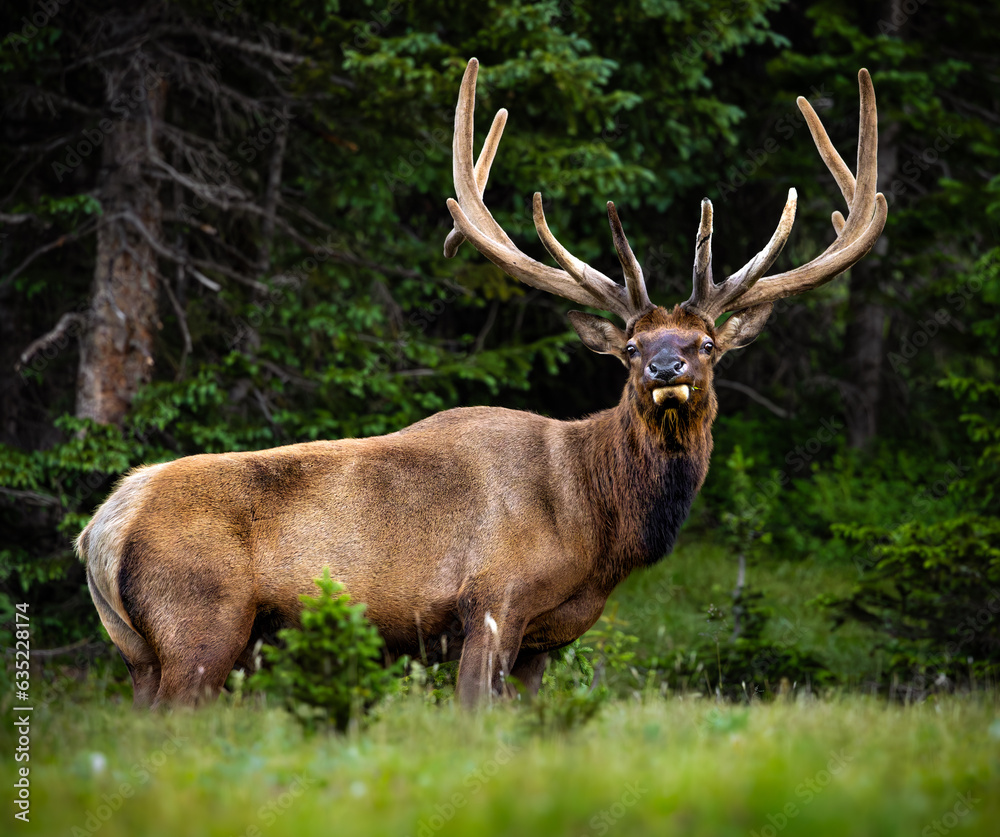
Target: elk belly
x=681 y=392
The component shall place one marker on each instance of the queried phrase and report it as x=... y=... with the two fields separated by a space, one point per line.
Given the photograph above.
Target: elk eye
x=631 y=349
x=707 y=346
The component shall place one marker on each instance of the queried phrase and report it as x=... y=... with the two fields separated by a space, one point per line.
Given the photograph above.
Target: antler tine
x=700 y=300
x=634 y=282
x=605 y=292
x=856 y=235
x=821 y=139
x=483 y=164
x=463 y=172
x=577 y=281
x=711 y=300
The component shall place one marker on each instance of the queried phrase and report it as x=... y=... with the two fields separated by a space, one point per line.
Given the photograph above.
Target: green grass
x=842 y=765
x=819 y=764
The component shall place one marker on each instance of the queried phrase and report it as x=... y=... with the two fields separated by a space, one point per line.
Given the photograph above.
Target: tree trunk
x=864 y=346
x=864 y=341
x=116 y=352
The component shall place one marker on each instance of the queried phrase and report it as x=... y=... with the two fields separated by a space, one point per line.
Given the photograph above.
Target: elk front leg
x=529 y=668
x=488 y=655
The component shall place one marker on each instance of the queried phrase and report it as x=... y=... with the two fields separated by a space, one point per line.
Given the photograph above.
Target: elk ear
x=742 y=328
x=600 y=335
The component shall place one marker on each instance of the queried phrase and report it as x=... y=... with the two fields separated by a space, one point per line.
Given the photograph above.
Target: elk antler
x=577 y=281
x=867 y=212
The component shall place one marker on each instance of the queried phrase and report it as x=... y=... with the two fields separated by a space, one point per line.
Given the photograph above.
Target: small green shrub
x=571 y=693
x=331 y=670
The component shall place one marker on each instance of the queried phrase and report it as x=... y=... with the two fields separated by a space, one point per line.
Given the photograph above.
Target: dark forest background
x=221 y=227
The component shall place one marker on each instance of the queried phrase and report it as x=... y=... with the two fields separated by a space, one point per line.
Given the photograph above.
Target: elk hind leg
x=140 y=659
x=196 y=664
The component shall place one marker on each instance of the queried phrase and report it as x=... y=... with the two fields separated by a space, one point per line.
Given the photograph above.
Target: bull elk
x=511 y=526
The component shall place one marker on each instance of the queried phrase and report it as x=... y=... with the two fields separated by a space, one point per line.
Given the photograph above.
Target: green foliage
x=435 y=684
x=563 y=710
x=584 y=676
x=570 y=695
x=745 y=520
x=933 y=587
x=613 y=647
x=757 y=662
x=361 y=327
x=332 y=669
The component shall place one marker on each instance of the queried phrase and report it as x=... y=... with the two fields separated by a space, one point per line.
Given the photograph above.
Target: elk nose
x=666 y=367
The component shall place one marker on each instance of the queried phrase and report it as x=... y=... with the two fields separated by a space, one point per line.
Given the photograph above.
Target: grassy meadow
x=652 y=761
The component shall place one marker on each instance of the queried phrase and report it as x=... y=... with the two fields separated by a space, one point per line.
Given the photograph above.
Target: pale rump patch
x=681 y=392
x=491 y=623
x=106 y=534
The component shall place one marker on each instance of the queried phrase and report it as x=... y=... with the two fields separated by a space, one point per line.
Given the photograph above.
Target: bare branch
x=66 y=322
x=254 y=48
x=182 y=258
x=181 y=321
x=34 y=497
x=225 y=196
x=66 y=238
x=751 y=393
x=201 y=277
x=341 y=256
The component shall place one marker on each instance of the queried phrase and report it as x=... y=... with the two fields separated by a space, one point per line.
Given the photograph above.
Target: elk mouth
x=677 y=392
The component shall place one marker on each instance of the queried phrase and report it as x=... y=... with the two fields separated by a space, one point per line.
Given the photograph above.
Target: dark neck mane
x=644 y=475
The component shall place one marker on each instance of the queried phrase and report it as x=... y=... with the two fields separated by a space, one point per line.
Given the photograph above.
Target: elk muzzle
x=663 y=373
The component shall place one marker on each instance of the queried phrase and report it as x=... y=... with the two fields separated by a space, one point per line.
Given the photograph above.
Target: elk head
x=670 y=354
